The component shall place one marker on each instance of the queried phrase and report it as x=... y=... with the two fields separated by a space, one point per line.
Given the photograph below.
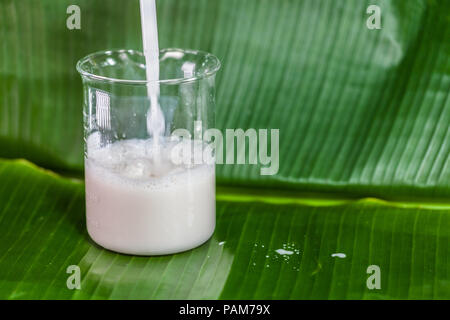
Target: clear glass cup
x=143 y=197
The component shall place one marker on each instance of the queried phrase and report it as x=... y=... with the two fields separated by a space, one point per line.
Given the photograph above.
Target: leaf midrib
x=270 y=195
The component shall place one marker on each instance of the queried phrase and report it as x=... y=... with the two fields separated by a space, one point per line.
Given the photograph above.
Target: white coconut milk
x=133 y=207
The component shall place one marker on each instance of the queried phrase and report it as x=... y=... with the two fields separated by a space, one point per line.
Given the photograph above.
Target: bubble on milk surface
x=137 y=168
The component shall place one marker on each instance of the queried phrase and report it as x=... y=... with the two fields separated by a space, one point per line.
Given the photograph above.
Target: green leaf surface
x=360 y=112
x=42 y=232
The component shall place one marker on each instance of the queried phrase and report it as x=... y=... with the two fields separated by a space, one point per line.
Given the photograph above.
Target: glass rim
x=93 y=76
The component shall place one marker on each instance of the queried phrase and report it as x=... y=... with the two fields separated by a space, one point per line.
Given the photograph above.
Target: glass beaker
x=143 y=196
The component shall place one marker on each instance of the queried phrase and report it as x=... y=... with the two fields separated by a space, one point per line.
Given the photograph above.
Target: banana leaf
x=328 y=246
x=363 y=115
x=361 y=112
